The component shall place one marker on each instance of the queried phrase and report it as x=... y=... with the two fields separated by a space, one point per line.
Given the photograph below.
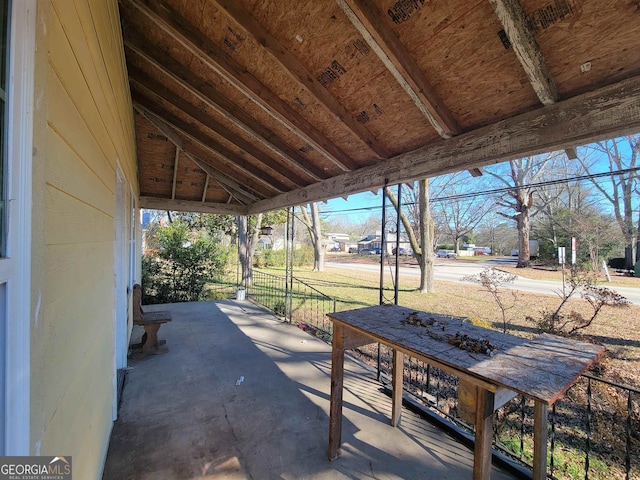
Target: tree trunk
x=426 y=238
x=247 y=242
x=524 y=202
x=315 y=234
x=423 y=251
x=318 y=247
x=524 y=230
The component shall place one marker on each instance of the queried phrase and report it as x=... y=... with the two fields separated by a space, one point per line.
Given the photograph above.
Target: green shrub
x=268 y=258
x=185 y=262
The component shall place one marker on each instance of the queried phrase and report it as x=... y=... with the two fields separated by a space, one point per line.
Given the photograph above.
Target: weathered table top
x=542 y=368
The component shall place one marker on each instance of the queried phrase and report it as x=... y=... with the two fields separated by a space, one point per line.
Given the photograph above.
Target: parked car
x=353 y=249
x=401 y=251
x=445 y=254
x=370 y=251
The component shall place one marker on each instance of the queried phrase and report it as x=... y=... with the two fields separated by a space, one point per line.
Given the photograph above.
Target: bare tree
x=493 y=281
x=519 y=174
x=597 y=232
x=368 y=225
x=248 y=232
x=248 y=235
x=619 y=154
x=420 y=230
x=314 y=227
x=461 y=216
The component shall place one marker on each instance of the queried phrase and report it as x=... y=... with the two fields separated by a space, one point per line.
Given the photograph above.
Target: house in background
x=339 y=242
x=373 y=241
x=225 y=123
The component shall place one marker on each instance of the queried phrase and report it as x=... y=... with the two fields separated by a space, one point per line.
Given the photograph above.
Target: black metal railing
x=224 y=285
x=269 y=291
x=298 y=302
x=594 y=428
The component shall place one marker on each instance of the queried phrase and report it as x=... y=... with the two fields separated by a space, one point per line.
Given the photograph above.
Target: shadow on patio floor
x=183 y=416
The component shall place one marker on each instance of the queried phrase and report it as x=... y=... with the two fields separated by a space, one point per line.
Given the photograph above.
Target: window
x=4 y=38
x=17 y=52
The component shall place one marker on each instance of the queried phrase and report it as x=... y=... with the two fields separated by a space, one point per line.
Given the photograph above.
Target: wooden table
x=493 y=367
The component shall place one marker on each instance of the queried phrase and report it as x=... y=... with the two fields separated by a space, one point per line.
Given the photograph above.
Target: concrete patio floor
x=185 y=415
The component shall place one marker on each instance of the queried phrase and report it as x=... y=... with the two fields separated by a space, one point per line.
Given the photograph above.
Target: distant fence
x=594 y=429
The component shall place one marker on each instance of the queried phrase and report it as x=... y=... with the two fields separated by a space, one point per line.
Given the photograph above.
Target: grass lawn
x=618 y=329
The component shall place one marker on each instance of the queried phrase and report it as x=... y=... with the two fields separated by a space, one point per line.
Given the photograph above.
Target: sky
x=351 y=207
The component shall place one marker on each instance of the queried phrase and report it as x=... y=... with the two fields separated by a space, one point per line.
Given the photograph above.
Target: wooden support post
x=484 y=434
x=150 y=344
x=540 y=441
x=398 y=367
x=337 y=379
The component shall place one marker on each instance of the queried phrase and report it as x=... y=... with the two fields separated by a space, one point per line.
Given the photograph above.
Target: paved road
x=454 y=270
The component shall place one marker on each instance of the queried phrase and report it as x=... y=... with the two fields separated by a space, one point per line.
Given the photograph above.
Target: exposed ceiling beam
x=232 y=188
x=171 y=22
x=400 y=63
x=572 y=153
x=225 y=155
x=608 y=112
x=200 y=116
x=527 y=50
x=175 y=173
x=173 y=137
x=155 y=203
x=206 y=186
x=208 y=94
x=515 y=25
x=300 y=73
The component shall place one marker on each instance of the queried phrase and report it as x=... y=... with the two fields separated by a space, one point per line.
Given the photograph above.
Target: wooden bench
x=151 y=321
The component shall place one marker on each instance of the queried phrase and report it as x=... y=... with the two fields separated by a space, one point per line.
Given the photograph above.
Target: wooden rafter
x=200 y=116
x=611 y=111
x=206 y=93
x=230 y=185
x=175 y=173
x=514 y=22
x=225 y=155
x=171 y=133
x=300 y=73
x=206 y=186
x=172 y=23
x=232 y=188
x=155 y=203
x=400 y=64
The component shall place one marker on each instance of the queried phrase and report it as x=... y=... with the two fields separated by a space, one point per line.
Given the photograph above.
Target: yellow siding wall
x=82 y=127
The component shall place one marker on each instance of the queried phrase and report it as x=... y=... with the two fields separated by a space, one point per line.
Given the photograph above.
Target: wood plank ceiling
x=243 y=106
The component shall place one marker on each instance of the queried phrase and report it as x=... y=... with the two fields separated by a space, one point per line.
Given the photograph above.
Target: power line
x=494 y=191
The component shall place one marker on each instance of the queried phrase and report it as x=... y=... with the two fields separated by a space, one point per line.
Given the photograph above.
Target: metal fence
x=594 y=429
x=297 y=302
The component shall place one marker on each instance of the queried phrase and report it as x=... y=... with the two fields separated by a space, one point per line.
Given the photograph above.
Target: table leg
x=398 y=366
x=484 y=435
x=337 y=379
x=540 y=441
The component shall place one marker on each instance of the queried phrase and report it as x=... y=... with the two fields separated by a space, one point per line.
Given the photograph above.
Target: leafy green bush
x=181 y=267
x=268 y=258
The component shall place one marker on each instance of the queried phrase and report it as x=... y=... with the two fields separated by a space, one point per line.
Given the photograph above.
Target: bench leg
x=150 y=344
x=144 y=339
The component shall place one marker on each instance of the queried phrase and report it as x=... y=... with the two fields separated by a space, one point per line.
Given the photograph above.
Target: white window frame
x=15 y=268
x=133 y=228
